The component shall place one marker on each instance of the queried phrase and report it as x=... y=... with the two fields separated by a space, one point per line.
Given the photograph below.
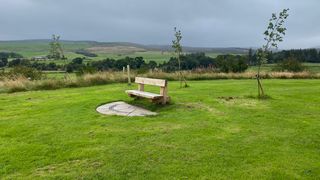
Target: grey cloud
x=210 y=23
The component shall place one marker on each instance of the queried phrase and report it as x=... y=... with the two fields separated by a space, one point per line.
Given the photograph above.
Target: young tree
x=176 y=45
x=273 y=35
x=56 y=51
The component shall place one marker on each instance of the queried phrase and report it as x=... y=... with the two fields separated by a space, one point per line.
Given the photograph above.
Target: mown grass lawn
x=203 y=134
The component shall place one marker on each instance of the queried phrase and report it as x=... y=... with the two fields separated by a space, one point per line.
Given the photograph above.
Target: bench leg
x=164 y=100
x=164 y=92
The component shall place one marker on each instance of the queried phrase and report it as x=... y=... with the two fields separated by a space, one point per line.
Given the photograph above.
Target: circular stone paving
x=123 y=109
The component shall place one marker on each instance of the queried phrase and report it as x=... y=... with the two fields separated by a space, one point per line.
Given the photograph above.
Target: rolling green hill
x=159 y=53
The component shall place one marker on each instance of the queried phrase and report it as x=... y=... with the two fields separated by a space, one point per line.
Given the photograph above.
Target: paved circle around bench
x=123 y=109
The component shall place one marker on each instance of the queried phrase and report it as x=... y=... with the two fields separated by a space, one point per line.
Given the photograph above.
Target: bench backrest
x=150 y=81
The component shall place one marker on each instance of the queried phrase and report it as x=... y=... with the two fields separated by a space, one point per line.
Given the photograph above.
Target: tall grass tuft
x=23 y=84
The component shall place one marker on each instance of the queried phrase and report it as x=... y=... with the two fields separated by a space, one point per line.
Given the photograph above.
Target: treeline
x=7 y=55
x=86 y=53
x=112 y=64
x=223 y=63
x=34 y=64
x=286 y=61
x=301 y=55
x=4 y=56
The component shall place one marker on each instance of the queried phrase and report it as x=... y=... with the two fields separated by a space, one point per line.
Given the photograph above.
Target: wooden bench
x=162 y=98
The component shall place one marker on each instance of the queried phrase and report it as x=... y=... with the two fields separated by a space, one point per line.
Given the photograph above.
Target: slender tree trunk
x=180 y=76
x=185 y=82
x=260 y=88
x=180 y=73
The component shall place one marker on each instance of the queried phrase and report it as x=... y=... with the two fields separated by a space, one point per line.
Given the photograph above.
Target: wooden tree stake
x=129 y=79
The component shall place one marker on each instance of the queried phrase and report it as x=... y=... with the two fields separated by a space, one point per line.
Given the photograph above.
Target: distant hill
x=226 y=50
x=42 y=45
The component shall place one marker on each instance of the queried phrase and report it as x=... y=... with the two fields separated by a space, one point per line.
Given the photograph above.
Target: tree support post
x=129 y=78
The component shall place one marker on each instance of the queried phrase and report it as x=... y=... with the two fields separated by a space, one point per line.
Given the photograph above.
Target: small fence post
x=123 y=70
x=129 y=79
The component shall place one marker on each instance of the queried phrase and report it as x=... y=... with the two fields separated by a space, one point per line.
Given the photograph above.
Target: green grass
x=34 y=48
x=38 y=46
x=157 y=56
x=264 y=68
x=312 y=67
x=148 y=56
x=31 y=49
x=201 y=135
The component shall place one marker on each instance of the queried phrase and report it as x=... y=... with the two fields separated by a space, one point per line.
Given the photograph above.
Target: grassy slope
x=36 y=48
x=32 y=48
x=58 y=133
x=41 y=48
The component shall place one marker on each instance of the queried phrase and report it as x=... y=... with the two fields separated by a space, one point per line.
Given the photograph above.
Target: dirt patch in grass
x=201 y=106
x=241 y=101
x=66 y=167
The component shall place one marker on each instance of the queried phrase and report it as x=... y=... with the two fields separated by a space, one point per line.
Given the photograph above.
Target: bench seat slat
x=144 y=94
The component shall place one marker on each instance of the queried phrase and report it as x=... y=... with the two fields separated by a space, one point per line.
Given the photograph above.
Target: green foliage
x=27 y=72
x=19 y=62
x=7 y=55
x=111 y=64
x=152 y=64
x=86 y=53
x=231 y=63
x=176 y=44
x=273 y=35
x=3 y=62
x=37 y=65
x=75 y=65
x=275 y=30
x=86 y=70
x=189 y=62
x=302 y=55
x=46 y=66
x=291 y=65
x=56 y=51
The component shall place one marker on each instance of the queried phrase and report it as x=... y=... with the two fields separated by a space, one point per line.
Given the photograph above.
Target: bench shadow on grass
x=146 y=104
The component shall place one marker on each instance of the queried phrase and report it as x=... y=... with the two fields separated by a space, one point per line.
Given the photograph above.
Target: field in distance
x=115 y=50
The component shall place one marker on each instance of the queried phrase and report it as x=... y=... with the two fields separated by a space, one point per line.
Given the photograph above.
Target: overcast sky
x=206 y=23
